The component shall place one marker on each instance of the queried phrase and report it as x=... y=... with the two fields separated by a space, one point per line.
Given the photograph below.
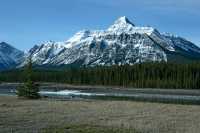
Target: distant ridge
x=10 y=57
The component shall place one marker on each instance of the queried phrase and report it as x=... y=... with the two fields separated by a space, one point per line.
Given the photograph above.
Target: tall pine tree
x=29 y=89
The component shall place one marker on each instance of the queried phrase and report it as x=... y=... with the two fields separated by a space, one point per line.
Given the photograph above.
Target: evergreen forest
x=145 y=75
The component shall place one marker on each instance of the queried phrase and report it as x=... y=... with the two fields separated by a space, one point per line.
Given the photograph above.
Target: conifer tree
x=29 y=89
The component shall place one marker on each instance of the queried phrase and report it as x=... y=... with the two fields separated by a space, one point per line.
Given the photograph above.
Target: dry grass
x=19 y=115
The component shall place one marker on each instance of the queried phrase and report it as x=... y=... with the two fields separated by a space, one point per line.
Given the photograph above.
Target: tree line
x=145 y=75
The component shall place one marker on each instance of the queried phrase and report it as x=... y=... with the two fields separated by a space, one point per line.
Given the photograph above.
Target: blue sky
x=24 y=23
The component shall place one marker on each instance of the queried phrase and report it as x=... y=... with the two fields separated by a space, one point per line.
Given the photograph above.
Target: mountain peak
x=121 y=24
x=4 y=45
x=123 y=20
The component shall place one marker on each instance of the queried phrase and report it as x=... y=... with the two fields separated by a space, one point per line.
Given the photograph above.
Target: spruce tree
x=29 y=89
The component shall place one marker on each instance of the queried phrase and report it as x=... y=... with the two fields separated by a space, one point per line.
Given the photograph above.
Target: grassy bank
x=95 y=116
x=87 y=129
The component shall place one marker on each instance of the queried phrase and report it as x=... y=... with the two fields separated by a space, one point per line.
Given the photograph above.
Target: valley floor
x=90 y=116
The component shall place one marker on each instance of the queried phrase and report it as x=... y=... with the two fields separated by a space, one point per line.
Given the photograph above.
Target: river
x=149 y=95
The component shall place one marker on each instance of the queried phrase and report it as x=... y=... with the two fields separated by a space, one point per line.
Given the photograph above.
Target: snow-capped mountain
x=10 y=57
x=45 y=53
x=122 y=43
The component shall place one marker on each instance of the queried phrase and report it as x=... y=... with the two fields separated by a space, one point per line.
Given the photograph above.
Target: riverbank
x=65 y=91
x=59 y=87
x=22 y=116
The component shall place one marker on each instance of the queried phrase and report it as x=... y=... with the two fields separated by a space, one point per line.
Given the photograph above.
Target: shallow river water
x=136 y=95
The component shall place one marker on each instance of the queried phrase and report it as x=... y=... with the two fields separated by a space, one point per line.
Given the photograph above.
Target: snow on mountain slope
x=9 y=56
x=124 y=25
x=182 y=43
x=46 y=52
x=122 y=43
x=77 y=38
